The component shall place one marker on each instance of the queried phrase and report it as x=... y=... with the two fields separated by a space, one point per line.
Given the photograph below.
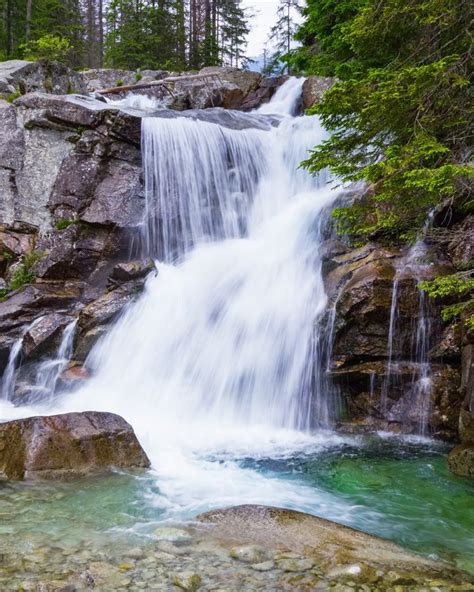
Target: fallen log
x=164 y=82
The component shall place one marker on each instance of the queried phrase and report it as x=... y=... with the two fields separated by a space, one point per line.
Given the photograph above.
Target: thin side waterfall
x=390 y=343
x=9 y=375
x=49 y=371
x=14 y=361
x=419 y=393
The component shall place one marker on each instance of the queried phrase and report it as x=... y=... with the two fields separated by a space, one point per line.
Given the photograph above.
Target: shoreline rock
x=67 y=446
x=338 y=552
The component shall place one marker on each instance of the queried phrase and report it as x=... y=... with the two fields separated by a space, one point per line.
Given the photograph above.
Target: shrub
x=47 y=47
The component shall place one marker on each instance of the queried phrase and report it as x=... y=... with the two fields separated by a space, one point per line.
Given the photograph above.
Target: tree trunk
x=28 y=19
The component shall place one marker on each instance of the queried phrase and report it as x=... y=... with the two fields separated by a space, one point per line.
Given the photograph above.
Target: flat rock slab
x=334 y=550
x=67 y=446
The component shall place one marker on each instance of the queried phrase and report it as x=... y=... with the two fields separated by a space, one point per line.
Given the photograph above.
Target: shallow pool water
x=390 y=487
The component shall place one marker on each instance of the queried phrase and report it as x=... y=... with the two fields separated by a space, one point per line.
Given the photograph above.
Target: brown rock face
x=313 y=89
x=461 y=460
x=68 y=445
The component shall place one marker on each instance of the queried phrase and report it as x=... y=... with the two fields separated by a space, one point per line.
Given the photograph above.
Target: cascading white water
x=419 y=394
x=200 y=179
x=9 y=375
x=218 y=359
x=49 y=371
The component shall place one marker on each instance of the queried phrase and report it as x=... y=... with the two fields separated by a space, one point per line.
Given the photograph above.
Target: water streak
x=49 y=371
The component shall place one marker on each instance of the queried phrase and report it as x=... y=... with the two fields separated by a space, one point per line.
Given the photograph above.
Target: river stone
x=249 y=553
x=461 y=460
x=67 y=445
x=325 y=543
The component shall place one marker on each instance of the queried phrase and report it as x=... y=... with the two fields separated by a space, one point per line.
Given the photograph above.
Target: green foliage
x=456 y=286
x=14 y=96
x=399 y=115
x=119 y=82
x=24 y=274
x=138 y=76
x=325 y=49
x=47 y=47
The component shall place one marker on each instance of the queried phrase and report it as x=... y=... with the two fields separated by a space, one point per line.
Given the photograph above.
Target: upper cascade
x=225 y=331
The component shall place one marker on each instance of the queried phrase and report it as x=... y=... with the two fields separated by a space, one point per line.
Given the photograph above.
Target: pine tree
x=282 y=32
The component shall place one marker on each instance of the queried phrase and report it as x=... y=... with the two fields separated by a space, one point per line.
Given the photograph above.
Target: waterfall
x=222 y=356
x=224 y=332
x=200 y=179
x=418 y=396
x=49 y=371
x=9 y=375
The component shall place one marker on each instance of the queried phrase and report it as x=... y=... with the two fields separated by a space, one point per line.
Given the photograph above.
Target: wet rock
x=461 y=460
x=67 y=445
x=226 y=87
x=187 y=581
x=294 y=564
x=98 y=315
x=313 y=89
x=131 y=271
x=72 y=253
x=44 y=337
x=249 y=554
x=466 y=417
x=448 y=346
x=264 y=566
x=265 y=91
x=317 y=541
x=445 y=401
x=103 y=310
x=74 y=374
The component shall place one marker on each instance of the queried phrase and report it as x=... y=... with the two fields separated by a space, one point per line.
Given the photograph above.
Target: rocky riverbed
x=241 y=548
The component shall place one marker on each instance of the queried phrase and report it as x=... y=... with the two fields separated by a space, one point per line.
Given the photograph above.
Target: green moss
x=48 y=84
x=64 y=223
x=119 y=82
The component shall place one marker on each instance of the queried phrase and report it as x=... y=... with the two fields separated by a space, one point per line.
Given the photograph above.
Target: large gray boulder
x=68 y=445
x=20 y=76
